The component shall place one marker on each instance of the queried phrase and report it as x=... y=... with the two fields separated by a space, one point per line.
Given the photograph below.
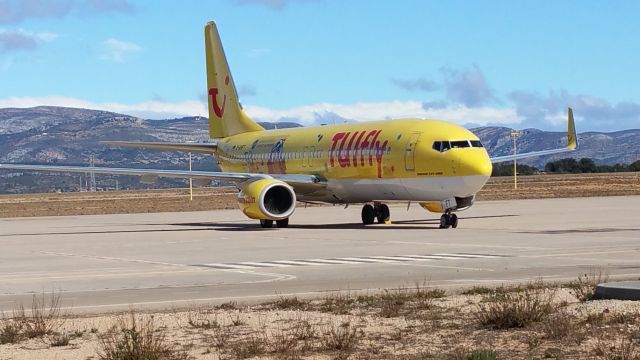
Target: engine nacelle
x=267 y=199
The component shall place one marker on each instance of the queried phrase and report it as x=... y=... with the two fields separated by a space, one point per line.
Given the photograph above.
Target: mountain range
x=58 y=135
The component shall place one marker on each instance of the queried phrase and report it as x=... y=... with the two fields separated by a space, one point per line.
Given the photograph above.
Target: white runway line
x=355 y=260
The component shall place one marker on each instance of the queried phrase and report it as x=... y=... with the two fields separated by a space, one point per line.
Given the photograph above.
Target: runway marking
x=359 y=260
x=470 y=245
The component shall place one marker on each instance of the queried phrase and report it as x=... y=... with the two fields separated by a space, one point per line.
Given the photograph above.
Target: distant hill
x=60 y=135
x=604 y=148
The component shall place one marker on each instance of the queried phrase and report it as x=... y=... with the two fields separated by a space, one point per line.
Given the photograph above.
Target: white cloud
x=460 y=114
x=20 y=39
x=307 y=115
x=118 y=50
x=149 y=109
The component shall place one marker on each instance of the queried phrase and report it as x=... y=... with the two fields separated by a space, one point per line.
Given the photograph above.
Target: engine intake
x=268 y=199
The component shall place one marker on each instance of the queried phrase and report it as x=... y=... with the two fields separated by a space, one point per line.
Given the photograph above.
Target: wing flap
x=204 y=148
x=291 y=179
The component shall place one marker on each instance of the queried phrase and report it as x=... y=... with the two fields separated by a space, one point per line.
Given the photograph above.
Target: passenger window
x=459 y=144
x=476 y=143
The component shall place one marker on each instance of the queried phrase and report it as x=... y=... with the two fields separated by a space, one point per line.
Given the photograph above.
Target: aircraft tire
x=444 y=221
x=383 y=214
x=453 y=220
x=267 y=224
x=282 y=223
x=368 y=215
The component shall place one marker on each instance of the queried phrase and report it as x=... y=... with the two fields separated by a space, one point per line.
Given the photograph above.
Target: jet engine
x=267 y=199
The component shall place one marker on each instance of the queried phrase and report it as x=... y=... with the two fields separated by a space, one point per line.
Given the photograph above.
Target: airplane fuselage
x=381 y=160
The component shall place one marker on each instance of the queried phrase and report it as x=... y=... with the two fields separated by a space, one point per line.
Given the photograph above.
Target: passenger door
x=410 y=152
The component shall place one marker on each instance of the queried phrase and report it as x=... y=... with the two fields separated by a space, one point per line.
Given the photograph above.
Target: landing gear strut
x=268 y=224
x=378 y=212
x=448 y=220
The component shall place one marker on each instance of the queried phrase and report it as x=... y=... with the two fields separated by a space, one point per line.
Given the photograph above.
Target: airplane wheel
x=267 y=224
x=383 y=214
x=444 y=221
x=453 y=220
x=282 y=223
x=368 y=214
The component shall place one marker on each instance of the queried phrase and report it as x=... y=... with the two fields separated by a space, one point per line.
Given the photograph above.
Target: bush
x=343 y=337
x=44 y=319
x=584 y=288
x=503 y=310
x=10 y=332
x=136 y=339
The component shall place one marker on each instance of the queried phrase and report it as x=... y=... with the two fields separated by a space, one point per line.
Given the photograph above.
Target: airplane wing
x=204 y=148
x=293 y=180
x=572 y=144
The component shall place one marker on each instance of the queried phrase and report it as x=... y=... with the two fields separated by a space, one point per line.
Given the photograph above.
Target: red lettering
x=335 y=140
x=379 y=152
x=372 y=146
x=356 y=148
x=365 y=145
x=343 y=154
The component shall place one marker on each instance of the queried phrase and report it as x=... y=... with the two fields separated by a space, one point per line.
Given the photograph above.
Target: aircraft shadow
x=419 y=224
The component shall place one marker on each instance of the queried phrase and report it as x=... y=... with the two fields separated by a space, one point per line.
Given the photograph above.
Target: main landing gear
x=268 y=224
x=377 y=211
x=448 y=220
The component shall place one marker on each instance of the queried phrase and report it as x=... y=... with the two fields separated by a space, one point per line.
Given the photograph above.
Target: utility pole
x=514 y=135
x=190 y=181
x=93 y=175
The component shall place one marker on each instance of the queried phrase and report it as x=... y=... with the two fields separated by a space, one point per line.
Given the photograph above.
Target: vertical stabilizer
x=226 y=117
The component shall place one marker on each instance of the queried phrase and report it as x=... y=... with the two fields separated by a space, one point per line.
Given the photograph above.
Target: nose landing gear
x=448 y=220
x=378 y=212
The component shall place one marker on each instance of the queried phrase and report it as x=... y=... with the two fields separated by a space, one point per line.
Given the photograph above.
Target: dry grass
x=584 y=288
x=44 y=318
x=137 y=338
x=503 y=309
x=622 y=348
x=343 y=337
x=524 y=321
x=10 y=331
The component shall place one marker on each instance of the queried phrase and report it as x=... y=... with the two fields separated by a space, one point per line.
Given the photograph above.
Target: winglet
x=572 y=141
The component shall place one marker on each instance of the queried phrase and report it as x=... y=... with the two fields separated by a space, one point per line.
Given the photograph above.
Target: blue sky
x=510 y=63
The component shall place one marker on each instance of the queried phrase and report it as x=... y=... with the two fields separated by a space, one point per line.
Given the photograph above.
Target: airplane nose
x=476 y=164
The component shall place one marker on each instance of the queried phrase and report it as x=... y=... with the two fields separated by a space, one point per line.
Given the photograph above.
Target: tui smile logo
x=213 y=93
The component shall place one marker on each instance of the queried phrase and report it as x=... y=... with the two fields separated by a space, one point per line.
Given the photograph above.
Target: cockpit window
x=459 y=144
x=443 y=146
x=476 y=143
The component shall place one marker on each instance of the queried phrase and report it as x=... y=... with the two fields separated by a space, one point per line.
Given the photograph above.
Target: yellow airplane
x=438 y=164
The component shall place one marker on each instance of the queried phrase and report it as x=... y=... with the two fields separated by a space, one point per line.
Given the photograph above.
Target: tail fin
x=226 y=116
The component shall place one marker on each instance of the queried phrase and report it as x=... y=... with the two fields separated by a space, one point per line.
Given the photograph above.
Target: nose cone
x=476 y=163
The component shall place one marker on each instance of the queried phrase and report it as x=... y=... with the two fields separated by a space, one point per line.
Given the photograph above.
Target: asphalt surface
x=105 y=263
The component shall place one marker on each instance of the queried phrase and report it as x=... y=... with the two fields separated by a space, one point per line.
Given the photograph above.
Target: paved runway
x=114 y=262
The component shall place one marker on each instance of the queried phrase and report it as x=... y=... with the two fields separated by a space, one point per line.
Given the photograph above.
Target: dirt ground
x=532 y=323
x=119 y=202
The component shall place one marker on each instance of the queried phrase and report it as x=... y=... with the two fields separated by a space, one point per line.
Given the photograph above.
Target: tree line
x=564 y=166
